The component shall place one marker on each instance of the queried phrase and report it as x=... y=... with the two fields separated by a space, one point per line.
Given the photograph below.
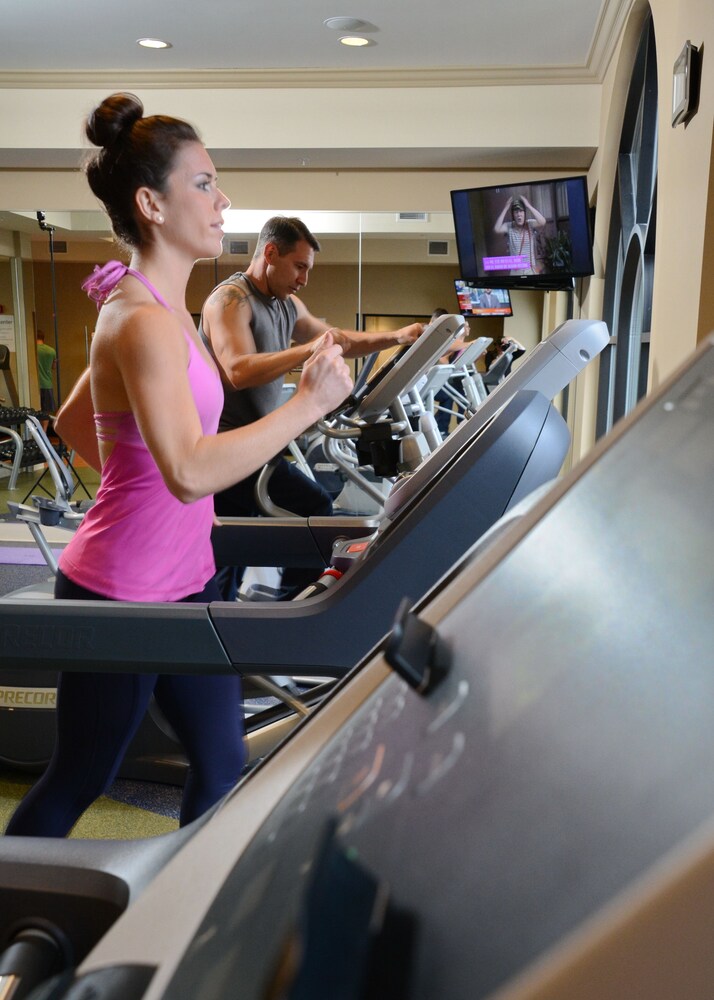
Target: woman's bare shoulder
x=127 y=321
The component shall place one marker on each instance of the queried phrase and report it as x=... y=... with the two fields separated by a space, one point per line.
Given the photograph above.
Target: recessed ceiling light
x=356 y=40
x=346 y=24
x=153 y=43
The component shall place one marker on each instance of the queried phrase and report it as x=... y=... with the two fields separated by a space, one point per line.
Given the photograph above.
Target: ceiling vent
x=239 y=247
x=59 y=246
x=438 y=248
x=412 y=216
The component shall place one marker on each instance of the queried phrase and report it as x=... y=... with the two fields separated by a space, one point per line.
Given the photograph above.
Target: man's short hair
x=285 y=232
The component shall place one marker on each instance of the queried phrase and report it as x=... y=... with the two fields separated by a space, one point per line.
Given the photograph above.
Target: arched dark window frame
x=630 y=250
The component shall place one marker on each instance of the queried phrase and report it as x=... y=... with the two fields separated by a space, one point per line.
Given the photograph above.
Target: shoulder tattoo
x=231 y=296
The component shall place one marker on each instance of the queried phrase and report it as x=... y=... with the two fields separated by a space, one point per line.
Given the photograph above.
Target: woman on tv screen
x=520 y=233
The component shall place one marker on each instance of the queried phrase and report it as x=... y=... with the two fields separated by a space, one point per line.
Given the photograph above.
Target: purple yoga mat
x=16 y=555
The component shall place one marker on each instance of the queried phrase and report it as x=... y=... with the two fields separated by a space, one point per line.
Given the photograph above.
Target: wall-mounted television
x=476 y=301
x=533 y=234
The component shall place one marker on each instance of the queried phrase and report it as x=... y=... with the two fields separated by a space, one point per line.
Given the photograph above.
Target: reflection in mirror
x=388 y=264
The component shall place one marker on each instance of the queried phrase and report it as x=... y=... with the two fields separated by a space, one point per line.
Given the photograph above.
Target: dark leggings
x=97 y=716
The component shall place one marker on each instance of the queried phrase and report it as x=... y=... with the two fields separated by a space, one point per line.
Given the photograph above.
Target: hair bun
x=115 y=115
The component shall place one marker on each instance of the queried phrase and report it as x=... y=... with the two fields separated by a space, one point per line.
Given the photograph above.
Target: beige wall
x=503 y=124
x=683 y=305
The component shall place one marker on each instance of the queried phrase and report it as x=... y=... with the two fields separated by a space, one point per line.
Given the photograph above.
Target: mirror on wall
x=371 y=264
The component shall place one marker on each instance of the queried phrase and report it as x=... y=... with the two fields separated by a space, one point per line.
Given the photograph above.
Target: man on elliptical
x=258 y=330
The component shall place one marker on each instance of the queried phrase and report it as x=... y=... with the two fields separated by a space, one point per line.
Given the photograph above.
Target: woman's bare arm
x=153 y=369
x=74 y=422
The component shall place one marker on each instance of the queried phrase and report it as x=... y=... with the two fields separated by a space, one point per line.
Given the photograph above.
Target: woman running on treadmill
x=156 y=396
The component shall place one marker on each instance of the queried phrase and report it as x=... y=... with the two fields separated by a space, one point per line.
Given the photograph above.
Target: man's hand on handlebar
x=408 y=334
x=326 y=374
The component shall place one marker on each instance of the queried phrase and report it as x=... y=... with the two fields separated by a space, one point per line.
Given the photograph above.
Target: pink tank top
x=138 y=542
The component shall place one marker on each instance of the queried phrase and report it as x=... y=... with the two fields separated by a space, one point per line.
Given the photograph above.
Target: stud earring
x=160 y=219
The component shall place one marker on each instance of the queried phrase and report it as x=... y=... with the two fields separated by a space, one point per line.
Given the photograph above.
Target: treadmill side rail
x=112 y=636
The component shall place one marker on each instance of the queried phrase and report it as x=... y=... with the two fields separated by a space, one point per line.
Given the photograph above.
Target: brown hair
x=135 y=152
x=285 y=232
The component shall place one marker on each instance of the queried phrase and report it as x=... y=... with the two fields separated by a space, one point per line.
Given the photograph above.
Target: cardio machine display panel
x=403 y=368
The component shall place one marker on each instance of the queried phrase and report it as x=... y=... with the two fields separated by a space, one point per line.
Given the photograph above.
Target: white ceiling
x=76 y=37
x=229 y=45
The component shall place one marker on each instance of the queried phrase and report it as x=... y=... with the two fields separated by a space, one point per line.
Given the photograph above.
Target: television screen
x=525 y=235
x=475 y=301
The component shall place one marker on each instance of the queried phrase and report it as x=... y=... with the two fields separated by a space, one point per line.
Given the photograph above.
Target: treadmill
x=476 y=812
x=484 y=468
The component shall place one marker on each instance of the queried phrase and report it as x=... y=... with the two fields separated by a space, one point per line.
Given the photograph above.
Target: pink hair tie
x=103 y=280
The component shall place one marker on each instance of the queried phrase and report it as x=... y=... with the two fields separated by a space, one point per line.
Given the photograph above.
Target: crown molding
x=608 y=32
x=465 y=76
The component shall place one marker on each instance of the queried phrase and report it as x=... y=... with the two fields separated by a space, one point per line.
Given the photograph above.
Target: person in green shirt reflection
x=46 y=367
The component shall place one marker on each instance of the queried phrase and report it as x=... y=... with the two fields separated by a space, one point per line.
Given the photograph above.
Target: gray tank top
x=272 y=325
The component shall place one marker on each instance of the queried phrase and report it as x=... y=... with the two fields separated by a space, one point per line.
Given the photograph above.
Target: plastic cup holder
x=50 y=513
